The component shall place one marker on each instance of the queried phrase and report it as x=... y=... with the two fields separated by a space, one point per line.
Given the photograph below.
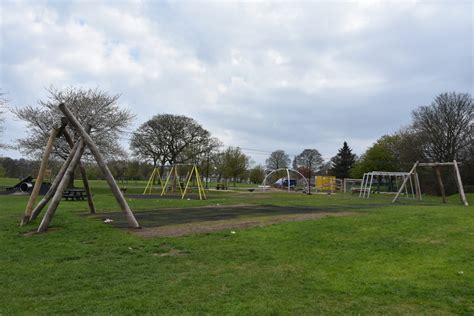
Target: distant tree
x=218 y=163
x=343 y=162
x=168 y=138
x=379 y=157
x=235 y=162
x=3 y=103
x=446 y=126
x=257 y=174
x=309 y=160
x=205 y=160
x=92 y=107
x=278 y=159
x=118 y=168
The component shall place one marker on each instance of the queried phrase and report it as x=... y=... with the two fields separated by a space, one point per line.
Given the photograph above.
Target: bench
x=74 y=194
x=221 y=186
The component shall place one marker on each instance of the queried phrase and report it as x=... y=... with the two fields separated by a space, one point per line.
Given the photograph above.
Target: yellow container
x=326 y=183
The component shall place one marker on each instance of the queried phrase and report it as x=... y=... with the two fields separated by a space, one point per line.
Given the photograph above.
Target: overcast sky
x=264 y=75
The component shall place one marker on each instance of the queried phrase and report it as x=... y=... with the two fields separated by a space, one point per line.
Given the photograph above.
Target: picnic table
x=221 y=186
x=74 y=194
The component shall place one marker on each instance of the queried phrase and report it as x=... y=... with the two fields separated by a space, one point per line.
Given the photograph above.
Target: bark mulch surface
x=195 y=220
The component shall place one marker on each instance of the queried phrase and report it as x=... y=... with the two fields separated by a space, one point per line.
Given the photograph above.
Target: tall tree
x=168 y=138
x=278 y=159
x=446 y=126
x=235 y=162
x=379 y=157
x=257 y=174
x=343 y=162
x=92 y=107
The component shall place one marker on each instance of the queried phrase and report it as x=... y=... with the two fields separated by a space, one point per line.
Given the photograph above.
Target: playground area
x=239 y=245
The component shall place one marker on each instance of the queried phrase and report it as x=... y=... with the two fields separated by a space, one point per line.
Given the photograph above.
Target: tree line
x=441 y=131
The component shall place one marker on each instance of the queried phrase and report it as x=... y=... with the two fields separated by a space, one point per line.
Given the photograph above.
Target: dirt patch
x=220 y=225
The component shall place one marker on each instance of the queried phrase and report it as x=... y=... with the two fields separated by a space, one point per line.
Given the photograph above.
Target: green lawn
x=411 y=258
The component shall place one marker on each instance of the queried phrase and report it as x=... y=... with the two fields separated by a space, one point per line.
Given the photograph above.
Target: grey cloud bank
x=257 y=75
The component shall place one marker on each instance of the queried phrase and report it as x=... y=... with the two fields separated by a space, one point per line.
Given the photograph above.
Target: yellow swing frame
x=189 y=176
x=149 y=185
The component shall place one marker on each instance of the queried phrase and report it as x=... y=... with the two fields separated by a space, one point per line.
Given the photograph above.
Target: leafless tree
x=92 y=107
x=3 y=103
x=446 y=127
x=310 y=160
x=168 y=138
x=278 y=159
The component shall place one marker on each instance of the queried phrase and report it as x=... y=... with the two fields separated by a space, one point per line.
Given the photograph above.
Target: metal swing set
x=173 y=180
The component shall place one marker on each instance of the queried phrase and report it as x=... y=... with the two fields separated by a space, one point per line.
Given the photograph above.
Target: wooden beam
x=58 y=195
x=39 y=178
x=435 y=164
x=440 y=182
x=39 y=207
x=459 y=183
x=405 y=182
x=132 y=222
x=82 y=169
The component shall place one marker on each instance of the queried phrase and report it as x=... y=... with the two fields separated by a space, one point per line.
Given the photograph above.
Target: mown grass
x=412 y=258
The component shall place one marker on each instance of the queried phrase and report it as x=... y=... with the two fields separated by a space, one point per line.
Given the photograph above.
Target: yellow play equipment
x=173 y=178
x=325 y=183
x=149 y=185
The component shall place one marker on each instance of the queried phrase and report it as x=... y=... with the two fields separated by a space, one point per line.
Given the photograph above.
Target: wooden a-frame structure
x=55 y=193
x=437 y=168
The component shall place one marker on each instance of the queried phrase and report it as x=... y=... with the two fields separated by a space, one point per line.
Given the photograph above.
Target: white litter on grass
x=217 y=204
x=461 y=272
x=189 y=199
x=130 y=248
x=232 y=232
x=108 y=220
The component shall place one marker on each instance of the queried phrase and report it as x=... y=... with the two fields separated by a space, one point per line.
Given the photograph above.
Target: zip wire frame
x=288 y=175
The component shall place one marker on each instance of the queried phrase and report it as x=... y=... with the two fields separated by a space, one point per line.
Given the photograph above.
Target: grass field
x=409 y=258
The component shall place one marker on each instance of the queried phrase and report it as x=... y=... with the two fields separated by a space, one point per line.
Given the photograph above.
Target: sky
x=259 y=75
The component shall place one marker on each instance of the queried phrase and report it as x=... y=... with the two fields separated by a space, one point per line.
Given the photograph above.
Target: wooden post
x=459 y=183
x=132 y=222
x=58 y=195
x=405 y=182
x=85 y=181
x=440 y=182
x=417 y=185
x=39 y=179
x=39 y=207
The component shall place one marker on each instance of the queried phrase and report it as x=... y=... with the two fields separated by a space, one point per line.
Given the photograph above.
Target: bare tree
x=445 y=127
x=278 y=159
x=92 y=107
x=309 y=162
x=309 y=159
x=3 y=103
x=168 y=138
